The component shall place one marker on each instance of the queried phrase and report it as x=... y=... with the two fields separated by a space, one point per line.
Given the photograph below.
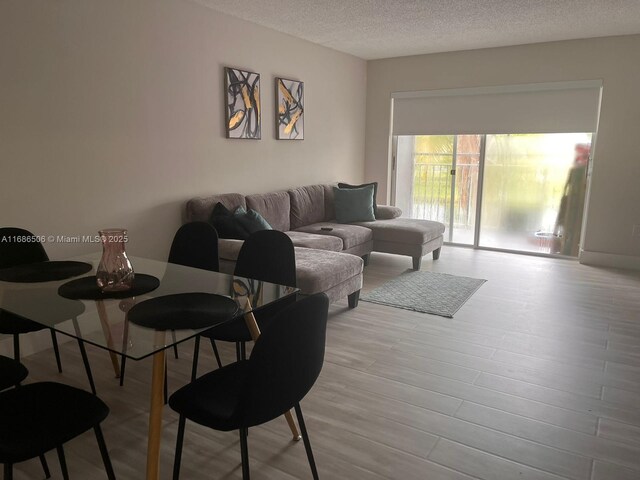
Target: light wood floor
x=536 y=377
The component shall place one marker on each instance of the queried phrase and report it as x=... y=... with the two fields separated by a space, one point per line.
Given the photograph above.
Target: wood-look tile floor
x=536 y=377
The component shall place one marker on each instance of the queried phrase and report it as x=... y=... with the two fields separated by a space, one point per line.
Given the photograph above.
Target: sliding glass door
x=529 y=183
x=516 y=192
x=437 y=179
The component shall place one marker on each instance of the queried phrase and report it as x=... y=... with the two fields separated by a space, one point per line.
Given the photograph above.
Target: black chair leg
x=238 y=354
x=63 y=462
x=123 y=364
x=196 y=352
x=244 y=452
x=243 y=351
x=104 y=452
x=16 y=350
x=56 y=350
x=179 y=441
x=45 y=466
x=87 y=367
x=16 y=347
x=175 y=344
x=215 y=352
x=8 y=471
x=125 y=346
x=307 y=443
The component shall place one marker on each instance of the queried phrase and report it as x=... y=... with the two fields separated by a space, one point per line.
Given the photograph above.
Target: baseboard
x=609 y=260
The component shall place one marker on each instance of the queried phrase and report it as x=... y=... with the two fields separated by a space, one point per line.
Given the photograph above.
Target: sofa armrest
x=387 y=212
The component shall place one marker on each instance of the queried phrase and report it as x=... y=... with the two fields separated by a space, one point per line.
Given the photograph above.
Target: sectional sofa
x=330 y=256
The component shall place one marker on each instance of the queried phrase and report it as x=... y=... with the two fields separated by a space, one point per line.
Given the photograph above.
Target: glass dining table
x=104 y=322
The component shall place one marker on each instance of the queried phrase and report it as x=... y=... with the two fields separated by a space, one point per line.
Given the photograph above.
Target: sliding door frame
x=478 y=214
x=476 y=233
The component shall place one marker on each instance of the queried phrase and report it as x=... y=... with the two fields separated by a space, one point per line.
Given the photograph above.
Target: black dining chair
x=284 y=364
x=15 y=249
x=195 y=245
x=21 y=247
x=12 y=373
x=269 y=256
x=39 y=417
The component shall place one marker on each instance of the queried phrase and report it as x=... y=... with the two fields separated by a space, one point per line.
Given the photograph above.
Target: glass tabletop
x=104 y=323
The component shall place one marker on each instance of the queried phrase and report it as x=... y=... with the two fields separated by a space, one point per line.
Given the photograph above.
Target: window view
x=532 y=194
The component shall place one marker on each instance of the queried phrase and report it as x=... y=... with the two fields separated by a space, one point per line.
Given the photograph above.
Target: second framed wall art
x=289 y=109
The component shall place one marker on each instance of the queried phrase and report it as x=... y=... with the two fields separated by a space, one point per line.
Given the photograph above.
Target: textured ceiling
x=373 y=29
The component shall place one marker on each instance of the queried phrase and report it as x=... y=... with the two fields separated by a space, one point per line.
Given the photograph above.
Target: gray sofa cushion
x=341 y=290
x=351 y=235
x=274 y=207
x=311 y=240
x=307 y=205
x=336 y=274
x=329 y=209
x=199 y=209
x=319 y=270
x=404 y=230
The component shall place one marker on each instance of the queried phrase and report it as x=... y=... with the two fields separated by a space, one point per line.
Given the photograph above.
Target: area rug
x=426 y=292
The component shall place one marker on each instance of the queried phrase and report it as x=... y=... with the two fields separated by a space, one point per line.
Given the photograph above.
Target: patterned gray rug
x=426 y=292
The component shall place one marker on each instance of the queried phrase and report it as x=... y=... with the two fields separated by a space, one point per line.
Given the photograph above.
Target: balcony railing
x=432 y=193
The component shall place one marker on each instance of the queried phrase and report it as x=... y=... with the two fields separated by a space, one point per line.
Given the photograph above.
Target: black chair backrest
x=195 y=245
x=268 y=255
x=12 y=372
x=285 y=361
x=16 y=249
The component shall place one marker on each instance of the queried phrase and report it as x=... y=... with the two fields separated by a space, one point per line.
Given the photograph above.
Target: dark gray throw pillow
x=226 y=224
x=375 y=193
x=354 y=204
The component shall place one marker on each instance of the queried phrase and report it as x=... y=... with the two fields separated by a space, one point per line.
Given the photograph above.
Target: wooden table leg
x=252 y=325
x=254 y=329
x=155 y=412
x=104 y=321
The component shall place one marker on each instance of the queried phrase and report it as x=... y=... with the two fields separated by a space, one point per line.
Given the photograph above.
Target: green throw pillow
x=375 y=193
x=250 y=220
x=354 y=204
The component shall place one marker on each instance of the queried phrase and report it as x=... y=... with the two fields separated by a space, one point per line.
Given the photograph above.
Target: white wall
x=111 y=114
x=615 y=193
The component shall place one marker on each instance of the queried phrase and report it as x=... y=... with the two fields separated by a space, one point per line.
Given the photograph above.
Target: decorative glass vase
x=114 y=273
